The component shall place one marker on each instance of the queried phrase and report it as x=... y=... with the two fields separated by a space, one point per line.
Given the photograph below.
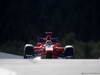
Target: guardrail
x=90 y=73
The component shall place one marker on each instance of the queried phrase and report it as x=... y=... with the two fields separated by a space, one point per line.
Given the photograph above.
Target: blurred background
x=75 y=22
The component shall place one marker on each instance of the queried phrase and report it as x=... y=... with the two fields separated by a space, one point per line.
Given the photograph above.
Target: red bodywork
x=48 y=47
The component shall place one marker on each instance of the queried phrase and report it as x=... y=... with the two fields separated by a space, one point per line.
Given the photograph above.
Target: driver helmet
x=49 y=42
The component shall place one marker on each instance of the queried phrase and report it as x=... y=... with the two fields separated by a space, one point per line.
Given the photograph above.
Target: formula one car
x=48 y=49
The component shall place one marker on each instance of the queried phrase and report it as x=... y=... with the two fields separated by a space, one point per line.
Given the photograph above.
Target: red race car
x=48 y=49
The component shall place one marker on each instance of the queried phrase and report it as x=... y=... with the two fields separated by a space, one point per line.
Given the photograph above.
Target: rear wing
x=48 y=33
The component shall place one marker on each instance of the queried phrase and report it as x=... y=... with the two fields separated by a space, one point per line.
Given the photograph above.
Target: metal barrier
x=90 y=73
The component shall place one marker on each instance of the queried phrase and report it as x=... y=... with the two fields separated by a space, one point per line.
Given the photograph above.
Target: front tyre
x=28 y=51
x=68 y=52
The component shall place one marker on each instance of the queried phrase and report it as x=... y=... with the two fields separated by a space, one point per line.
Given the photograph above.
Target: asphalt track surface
x=9 y=56
x=49 y=67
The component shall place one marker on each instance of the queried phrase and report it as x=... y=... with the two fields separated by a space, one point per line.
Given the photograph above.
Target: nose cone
x=37 y=58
